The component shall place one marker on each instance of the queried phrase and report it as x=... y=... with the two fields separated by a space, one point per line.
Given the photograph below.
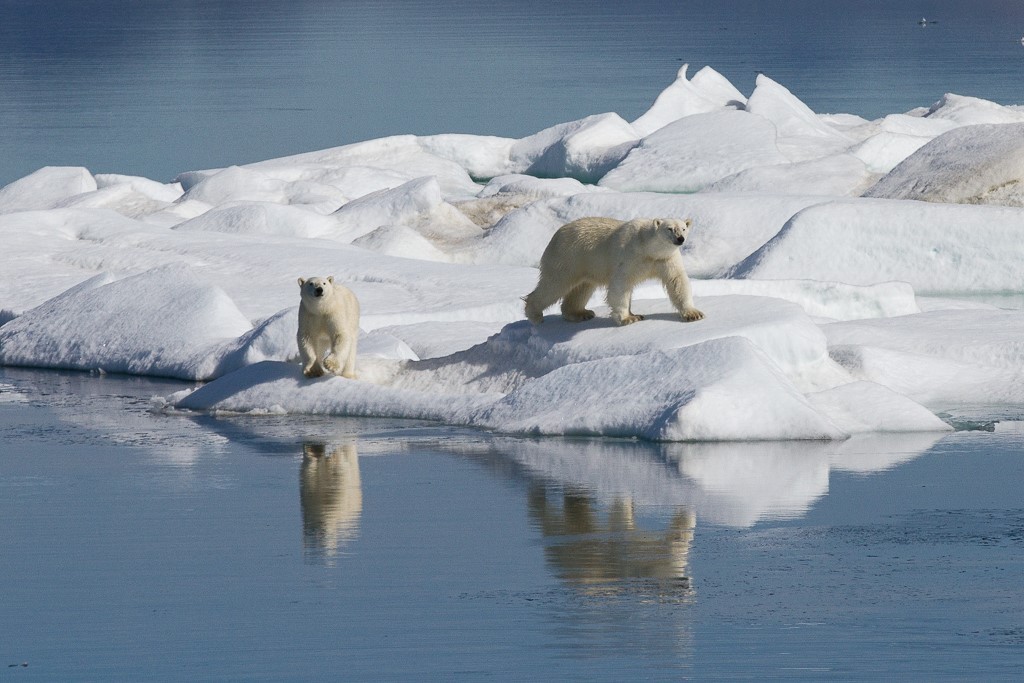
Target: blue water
x=141 y=546
x=157 y=88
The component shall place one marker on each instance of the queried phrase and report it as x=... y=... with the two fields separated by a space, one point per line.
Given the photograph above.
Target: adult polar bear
x=593 y=252
x=328 y=327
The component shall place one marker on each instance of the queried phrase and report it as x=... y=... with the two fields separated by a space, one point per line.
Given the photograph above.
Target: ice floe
x=810 y=254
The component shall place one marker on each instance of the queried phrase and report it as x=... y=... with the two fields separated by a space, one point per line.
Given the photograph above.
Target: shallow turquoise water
x=137 y=545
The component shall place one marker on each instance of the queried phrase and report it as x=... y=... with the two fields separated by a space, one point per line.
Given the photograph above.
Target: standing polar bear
x=593 y=252
x=328 y=326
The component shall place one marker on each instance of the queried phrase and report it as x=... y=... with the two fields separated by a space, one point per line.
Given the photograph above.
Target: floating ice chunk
x=839 y=175
x=721 y=390
x=45 y=188
x=584 y=149
x=982 y=164
x=163 y=323
x=934 y=247
x=691 y=153
x=781 y=330
x=707 y=91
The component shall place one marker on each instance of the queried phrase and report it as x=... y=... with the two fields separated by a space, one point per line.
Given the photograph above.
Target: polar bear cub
x=328 y=327
x=605 y=252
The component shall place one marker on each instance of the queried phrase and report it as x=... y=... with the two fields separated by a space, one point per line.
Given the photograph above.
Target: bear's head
x=315 y=289
x=672 y=229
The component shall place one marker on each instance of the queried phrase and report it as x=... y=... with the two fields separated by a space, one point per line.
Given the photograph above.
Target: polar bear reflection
x=598 y=552
x=331 y=497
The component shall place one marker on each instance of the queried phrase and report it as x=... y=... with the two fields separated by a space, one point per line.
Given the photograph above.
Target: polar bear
x=328 y=326
x=593 y=252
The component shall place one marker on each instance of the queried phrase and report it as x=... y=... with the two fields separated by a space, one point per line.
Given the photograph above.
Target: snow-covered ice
x=810 y=249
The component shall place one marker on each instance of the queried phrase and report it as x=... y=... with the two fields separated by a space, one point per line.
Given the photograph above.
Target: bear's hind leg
x=549 y=290
x=574 y=305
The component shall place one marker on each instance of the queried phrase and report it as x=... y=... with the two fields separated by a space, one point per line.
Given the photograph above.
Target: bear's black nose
x=680 y=240
x=319 y=291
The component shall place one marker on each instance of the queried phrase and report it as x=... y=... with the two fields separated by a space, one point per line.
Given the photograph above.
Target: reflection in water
x=598 y=551
x=331 y=496
x=731 y=484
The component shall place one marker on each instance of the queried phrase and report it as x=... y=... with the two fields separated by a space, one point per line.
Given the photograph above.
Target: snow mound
x=936 y=248
x=584 y=149
x=163 y=323
x=802 y=135
x=707 y=91
x=718 y=390
x=980 y=164
x=45 y=188
x=693 y=152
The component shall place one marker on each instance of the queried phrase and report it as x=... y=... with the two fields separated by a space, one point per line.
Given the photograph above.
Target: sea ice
x=816 y=329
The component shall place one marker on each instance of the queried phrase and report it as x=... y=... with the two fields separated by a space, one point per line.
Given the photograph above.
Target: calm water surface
x=143 y=546
x=157 y=88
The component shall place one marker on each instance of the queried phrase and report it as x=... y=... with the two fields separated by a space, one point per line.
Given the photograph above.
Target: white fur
x=604 y=252
x=328 y=328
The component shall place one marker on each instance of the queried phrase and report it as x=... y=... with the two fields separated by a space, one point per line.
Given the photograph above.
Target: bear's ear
x=330 y=278
x=657 y=222
x=302 y=281
x=689 y=222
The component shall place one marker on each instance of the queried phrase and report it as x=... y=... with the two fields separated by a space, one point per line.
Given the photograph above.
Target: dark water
x=157 y=88
x=141 y=546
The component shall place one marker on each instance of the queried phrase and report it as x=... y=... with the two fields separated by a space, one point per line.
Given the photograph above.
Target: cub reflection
x=597 y=549
x=331 y=497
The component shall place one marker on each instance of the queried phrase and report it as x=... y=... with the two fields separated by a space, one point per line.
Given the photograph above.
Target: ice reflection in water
x=331 y=496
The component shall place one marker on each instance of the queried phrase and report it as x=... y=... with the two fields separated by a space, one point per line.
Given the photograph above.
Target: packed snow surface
x=841 y=264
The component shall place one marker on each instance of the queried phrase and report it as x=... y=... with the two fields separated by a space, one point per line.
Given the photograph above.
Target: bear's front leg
x=342 y=360
x=310 y=362
x=619 y=293
x=677 y=285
